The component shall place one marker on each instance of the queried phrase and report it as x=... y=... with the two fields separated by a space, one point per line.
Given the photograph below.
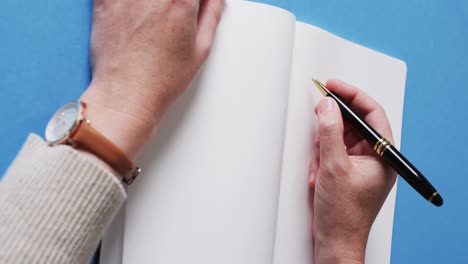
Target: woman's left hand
x=144 y=55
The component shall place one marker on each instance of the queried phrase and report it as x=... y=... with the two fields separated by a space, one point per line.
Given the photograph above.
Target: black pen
x=386 y=150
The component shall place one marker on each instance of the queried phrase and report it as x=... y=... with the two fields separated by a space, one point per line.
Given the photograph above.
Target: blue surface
x=44 y=63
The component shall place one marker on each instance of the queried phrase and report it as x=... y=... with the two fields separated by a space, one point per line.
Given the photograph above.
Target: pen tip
x=437 y=201
x=321 y=87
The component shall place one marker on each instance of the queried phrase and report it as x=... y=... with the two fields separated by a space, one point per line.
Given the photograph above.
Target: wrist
x=127 y=133
x=122 y=122
x=341 y=249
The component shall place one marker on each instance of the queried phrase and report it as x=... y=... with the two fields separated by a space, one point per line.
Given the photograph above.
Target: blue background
x=44 y=63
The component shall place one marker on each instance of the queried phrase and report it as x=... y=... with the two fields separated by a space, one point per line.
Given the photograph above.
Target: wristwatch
x=69 y=126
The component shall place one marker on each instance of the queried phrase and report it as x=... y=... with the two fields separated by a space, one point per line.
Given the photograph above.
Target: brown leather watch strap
x=89 y=139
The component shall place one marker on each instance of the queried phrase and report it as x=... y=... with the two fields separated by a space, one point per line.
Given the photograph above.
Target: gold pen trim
x=376 y=146
x=321 y=87
x=381 y=146
x=433 y=196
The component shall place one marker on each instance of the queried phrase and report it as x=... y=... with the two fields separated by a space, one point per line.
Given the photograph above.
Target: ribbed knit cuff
x=55 y=204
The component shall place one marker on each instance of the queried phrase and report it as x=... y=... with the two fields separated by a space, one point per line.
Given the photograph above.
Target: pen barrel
x=408 y=172
x=389 y=154
x=361 y=126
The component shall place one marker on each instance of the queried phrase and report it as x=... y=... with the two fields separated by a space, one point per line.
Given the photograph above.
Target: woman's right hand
x=349 y=182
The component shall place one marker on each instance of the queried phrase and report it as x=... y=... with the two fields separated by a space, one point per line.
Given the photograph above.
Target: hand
x=349 y=182
x=144 y=55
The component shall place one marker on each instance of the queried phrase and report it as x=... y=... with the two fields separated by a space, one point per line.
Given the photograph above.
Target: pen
x=386 y=150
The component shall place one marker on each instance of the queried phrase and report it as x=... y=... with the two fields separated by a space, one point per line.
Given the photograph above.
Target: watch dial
x=62 y=122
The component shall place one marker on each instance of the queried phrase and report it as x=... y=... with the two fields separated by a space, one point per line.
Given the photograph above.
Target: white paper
x=319 y=54
x=209 y=191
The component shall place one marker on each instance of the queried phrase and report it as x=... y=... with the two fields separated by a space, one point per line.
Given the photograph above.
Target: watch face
x=62 y=122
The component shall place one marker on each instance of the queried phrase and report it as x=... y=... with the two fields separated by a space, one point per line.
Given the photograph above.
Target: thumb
x=332 y=147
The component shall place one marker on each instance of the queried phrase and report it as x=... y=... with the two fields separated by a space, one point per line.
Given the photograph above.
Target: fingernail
x=326 y=105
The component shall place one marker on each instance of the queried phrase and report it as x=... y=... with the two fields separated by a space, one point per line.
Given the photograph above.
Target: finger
x=314 y=163
x=208 y=20
x=371 y=111
x=351 y=137
x=348 y=130
x=313 y=172
x=330 y=124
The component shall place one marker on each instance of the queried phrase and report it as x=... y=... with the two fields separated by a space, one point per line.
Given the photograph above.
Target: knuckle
x=380 y=108
x=216 y=13
x=205 y=49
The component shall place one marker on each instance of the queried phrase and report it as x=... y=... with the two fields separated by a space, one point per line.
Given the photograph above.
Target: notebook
x=225 y=178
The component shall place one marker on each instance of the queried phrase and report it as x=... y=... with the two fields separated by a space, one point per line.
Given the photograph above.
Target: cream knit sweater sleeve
x=55 y=204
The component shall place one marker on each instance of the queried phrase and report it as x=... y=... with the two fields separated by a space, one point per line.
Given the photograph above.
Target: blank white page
x=209 y=190
x=319 y=54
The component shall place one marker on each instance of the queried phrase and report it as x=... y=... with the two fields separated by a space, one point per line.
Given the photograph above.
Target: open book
x=225 y=179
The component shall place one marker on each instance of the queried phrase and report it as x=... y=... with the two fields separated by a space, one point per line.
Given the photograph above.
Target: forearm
x=55 y=204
